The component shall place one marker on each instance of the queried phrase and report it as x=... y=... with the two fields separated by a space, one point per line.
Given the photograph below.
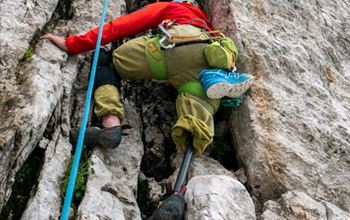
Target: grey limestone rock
x=112 y=186
x=292 y=132
x=298 y=205
x=217 y=197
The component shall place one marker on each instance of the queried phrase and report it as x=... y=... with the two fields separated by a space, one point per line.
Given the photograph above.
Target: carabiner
x=168 y=46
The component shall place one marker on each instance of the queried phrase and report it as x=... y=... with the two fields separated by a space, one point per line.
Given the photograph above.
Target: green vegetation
x=62 y=11
x=80 y=184
x=28 y=54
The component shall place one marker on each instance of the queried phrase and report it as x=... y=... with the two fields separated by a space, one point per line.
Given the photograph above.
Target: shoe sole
x=223 y=89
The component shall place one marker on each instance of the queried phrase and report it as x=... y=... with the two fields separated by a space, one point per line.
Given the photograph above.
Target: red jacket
x=139 y=21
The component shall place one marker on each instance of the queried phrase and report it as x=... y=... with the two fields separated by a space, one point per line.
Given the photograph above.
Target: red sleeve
x=124 y=26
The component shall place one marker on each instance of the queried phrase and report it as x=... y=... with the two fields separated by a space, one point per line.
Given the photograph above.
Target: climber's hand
x=59 y=41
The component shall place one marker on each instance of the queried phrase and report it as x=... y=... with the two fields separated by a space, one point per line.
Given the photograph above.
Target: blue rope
x=77 y=155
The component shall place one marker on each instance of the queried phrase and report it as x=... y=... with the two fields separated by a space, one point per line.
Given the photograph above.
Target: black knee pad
x=104 y=57
x=106 y=75
x=105 y=72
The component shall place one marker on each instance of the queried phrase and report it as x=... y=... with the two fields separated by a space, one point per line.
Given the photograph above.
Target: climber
x=142 y=58
x=183 y=64
x=182 y=61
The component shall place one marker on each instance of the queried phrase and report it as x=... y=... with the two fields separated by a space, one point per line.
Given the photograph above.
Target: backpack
x=221 y=53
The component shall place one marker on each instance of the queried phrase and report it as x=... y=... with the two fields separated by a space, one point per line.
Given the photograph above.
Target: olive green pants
x=183 y=64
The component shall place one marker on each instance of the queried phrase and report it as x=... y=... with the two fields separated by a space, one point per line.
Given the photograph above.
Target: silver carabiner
x=168 y=46
x=166 y=36
x=165 y=32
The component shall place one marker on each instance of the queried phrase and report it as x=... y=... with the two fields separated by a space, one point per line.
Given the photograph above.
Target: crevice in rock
x=25 y=183
x=145 y=203
x=222 y=148
x=62 y=12
x=150 y=99
x=79 y=92
x=157 y=123
x=81 y=179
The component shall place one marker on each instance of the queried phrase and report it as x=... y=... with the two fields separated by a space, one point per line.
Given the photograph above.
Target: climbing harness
x=77 y=155
x=156 y=59
x=220 y=52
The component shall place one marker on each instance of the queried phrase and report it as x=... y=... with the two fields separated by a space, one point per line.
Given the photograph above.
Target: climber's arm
x=59 y=41
x=124 y=26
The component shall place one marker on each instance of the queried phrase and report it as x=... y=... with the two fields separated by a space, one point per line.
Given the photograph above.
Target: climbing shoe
x=173 y=208
x=219 y=83
x=95 y=136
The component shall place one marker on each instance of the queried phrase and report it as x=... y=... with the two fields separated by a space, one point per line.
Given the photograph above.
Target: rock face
x=32 y=92
x=293 y=130
x=291 y=134
x=218 y=197
x=111 y=188
x=20 y=20
x=22 y=93
x=298 y=205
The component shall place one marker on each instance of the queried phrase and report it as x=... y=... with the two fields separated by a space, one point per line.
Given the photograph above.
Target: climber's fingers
x=59 y=41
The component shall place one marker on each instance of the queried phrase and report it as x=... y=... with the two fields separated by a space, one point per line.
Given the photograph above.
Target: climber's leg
x=196 y=119
x=195 y=112
x=130 y=60
x=219 y=83
x=108 y=108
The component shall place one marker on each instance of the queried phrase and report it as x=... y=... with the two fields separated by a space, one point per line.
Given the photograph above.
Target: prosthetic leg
x=173 y=207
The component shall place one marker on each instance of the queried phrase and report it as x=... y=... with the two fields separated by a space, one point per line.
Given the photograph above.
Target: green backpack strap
x=155 y=58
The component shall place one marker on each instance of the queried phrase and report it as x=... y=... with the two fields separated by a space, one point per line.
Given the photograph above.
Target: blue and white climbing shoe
x=219 y=83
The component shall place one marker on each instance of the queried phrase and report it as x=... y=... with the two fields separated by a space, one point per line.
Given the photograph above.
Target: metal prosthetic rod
x=173 y=207
x=185 y=165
